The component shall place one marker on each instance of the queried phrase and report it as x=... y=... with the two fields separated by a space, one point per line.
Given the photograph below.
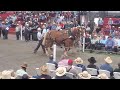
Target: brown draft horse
x=61 y=38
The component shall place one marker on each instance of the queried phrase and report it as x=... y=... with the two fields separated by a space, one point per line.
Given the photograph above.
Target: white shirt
x=21 y=72
x=39 y=35
x=45 y=31
x=7 y=28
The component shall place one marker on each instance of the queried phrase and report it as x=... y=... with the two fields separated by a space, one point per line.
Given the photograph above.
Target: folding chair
x=105 y=71
x=116 y=75
x=92 y=71
x=50 y=66
x=52 y=73
x=78 y=69
x=71 y=75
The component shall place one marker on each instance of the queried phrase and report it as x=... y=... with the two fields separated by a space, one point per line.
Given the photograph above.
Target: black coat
x=62 y=77
x=117 y=70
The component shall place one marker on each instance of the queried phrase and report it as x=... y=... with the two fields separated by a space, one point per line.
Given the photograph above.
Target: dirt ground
x=14 y=52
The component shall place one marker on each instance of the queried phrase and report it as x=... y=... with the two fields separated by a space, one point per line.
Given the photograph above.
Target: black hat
x=92 y=60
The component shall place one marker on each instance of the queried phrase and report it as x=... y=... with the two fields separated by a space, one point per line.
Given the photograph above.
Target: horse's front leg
x=65 y=52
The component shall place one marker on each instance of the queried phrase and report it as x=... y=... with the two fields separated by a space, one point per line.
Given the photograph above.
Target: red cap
x=70 y=62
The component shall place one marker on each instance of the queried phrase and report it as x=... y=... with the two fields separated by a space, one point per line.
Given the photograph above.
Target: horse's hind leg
x=65 y=52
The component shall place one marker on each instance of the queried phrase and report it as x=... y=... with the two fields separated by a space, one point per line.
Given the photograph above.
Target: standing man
x=110 y=22
x=40 y=39
x=0 y=28
x=17 y=29
x=3 y=29
x=26 y=33
x=6 y=30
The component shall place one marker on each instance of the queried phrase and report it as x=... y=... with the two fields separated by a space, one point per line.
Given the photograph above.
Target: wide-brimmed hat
x=24 y=65
x=44 y=69
x=0 y=75
x=60 y=71
x=84 y=75
x=6 y=74
x=103 y=76
x=78 y=61
x=108 y=59
x=92 y=60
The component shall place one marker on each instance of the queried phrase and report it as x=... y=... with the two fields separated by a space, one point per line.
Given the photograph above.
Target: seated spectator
x=94 y=40
x=109 y=45
x=64 y=61
x=87 y=42
x=22 y=71
x=118 y=43
x=60 y=73
x=103 y=41
x=116 y=40
x=25 y=76
x=91 y=63
x=84 y=75
x=79 y=63
x=44 y=73
x=70 y=68
x=117 y=69
x=103 y=76
x=53 y=62
x=107 y=65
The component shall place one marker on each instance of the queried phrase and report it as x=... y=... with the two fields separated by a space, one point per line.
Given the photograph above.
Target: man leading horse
x=61 y=38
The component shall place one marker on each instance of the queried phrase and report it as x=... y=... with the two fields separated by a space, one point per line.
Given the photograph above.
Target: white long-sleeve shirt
x=39 y=35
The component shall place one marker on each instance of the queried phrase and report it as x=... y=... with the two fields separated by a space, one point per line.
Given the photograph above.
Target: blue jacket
x=106 y=67
x=53 y=62
x=82 y=66
x=109 y=43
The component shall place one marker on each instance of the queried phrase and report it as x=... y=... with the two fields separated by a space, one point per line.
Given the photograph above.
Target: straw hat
x=103 y=76
x=0 y=75
x=108 y=60
x=7 y=75
x=44 y=69
x=60 y=71
x=84 y=75
x=78 y=61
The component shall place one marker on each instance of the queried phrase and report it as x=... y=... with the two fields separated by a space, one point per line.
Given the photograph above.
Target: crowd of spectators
x=30 y=21
x=63 y=67
x=58 y=20
x=99 y=41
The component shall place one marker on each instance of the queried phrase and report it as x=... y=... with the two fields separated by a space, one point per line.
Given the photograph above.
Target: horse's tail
x=43 y=42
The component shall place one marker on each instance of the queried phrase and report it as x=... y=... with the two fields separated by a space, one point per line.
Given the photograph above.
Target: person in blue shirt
x=107 y=65
x=103 y=40
x=109 y=45
x=79 y=63
x=53 y=62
